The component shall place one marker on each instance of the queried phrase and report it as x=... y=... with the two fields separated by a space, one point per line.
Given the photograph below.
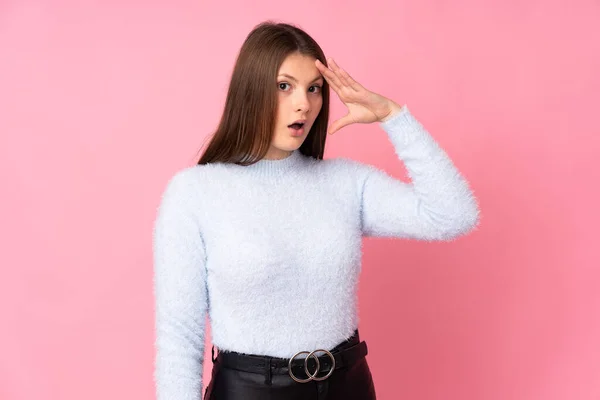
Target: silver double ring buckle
x=311 y=376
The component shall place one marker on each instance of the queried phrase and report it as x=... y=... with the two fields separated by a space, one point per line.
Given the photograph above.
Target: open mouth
x=296 y=125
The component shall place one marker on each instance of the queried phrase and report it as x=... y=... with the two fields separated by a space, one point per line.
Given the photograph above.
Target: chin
x=291 y=145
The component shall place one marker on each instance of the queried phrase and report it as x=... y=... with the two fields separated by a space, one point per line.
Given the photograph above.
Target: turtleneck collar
x=274 y=168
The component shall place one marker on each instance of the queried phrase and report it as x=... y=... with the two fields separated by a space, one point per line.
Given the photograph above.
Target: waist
x=304 y=366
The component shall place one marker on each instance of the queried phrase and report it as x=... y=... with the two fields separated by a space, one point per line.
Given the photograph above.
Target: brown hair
x=247 y=124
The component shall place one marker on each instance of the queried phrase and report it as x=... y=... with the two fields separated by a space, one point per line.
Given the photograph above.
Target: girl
x=263 y=236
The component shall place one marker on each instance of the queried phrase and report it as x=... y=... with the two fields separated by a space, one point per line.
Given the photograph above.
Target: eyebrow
x=296 y=80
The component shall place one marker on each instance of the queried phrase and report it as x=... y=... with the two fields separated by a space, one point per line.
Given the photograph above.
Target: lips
x=297 y=124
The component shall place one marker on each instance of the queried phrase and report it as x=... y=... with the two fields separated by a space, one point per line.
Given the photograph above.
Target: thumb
x=340 y=123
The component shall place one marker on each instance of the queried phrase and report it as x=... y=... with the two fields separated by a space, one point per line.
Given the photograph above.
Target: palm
x=361 y=108
x=363 y=105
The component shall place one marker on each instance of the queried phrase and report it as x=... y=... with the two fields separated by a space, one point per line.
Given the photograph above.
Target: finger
x=344 y=76
x=337 y=71
x=329 y=76
x=340 y=123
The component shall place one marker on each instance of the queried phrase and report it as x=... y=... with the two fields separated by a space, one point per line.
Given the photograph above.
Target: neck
x=277 y=154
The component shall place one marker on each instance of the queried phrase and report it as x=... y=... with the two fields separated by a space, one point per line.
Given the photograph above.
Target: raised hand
x=363 y=105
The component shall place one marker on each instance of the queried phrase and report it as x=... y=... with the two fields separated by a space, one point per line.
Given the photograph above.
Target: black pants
x=249 y=377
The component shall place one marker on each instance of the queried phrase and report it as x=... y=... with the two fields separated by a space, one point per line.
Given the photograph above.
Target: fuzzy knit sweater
x=271 y=252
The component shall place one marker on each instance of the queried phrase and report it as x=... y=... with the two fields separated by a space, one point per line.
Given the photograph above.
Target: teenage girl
x=263 y=235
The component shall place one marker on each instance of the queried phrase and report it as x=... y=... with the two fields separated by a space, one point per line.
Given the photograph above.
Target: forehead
x=300 y=66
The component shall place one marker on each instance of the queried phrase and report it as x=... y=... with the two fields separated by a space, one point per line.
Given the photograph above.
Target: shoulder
x=344 y=166
x=191 y=176
x=183 y=179
x=185 y=184
x=197 y=183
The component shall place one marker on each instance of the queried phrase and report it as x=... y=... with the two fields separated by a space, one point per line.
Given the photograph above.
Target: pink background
x=101 y=103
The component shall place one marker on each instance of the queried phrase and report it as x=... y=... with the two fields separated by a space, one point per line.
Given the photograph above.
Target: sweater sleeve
x=180 y=292
x=437 y=205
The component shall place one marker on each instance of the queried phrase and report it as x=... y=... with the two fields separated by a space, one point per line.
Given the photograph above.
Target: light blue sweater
x=272 y=252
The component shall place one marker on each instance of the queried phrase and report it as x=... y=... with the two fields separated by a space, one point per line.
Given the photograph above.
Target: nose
x=301 y=102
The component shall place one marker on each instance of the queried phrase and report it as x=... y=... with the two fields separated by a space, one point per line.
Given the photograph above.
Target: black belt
x=312 y=367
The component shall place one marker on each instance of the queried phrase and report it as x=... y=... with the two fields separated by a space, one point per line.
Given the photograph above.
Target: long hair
x=247 y=124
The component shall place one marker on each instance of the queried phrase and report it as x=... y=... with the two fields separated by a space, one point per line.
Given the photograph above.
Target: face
x=299 y=85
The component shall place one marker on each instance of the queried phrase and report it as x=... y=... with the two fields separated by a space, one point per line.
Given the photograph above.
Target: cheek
x=316 y=105
x=281 y=109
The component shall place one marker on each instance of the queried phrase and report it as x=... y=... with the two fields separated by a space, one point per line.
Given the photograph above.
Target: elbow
x=463 y=222
x=468 y=221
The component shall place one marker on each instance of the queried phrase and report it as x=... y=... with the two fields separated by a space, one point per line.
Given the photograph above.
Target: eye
x=280 y=84
x=317 y=88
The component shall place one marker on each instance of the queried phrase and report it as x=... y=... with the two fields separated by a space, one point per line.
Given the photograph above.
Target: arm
x=437 y=205
x=180 y=293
